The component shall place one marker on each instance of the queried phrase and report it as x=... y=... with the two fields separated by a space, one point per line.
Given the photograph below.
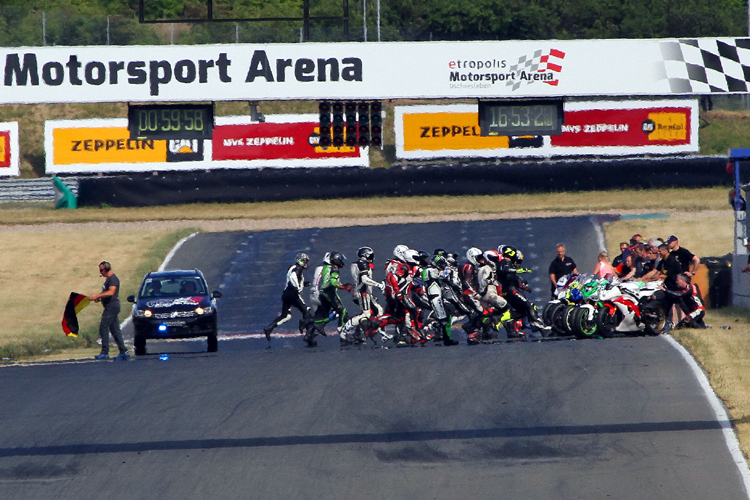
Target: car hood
x=173 y=302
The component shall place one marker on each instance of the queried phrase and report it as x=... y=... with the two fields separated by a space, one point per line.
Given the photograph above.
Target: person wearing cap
x=685 y=257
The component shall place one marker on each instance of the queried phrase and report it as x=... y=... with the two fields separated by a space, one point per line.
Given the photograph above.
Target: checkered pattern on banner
x=707 y=65
x=540 y=62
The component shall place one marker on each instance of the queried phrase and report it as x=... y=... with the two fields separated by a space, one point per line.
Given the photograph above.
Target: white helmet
x=327 y=258
x=411 y=256
x=472 y=254
x=398 y=252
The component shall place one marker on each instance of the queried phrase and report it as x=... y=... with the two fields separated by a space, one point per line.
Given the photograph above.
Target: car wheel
x=212 y=341
x=139 y=345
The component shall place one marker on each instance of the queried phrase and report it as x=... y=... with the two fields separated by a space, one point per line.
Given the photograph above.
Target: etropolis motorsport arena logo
x=544 y=66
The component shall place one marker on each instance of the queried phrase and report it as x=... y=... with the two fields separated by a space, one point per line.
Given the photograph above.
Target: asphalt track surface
x=621 y=418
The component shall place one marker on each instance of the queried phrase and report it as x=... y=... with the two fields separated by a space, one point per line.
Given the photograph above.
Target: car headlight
x=143 y=313
x=204 y=310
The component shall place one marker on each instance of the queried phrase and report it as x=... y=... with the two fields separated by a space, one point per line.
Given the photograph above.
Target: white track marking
x=730 y=437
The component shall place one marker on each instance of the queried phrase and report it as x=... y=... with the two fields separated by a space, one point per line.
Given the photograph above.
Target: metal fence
x=39 y=190
x=26 y=26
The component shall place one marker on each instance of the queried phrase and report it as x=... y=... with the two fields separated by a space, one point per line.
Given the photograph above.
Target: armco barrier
x=468 y=178
x=38 y=190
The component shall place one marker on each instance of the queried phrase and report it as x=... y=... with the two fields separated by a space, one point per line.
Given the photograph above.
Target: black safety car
x=174 y=305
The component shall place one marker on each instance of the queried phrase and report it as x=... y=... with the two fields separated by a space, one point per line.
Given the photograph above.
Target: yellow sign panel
x=447 y=131
x=668 y=126
x=104 y=145
x=3 y=150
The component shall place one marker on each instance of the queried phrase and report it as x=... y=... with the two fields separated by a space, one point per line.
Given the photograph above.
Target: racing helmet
x=302 y=260
x=492 y=256
x=366 y=253
x=520 y=257
x=398 y=252
x=452 y=259
x=411 y=256
x=439 y=261
x=338 y=259
x=472 y=254
x=327 y=258
x=511 y=254
x=440 y=251
x=423 y=258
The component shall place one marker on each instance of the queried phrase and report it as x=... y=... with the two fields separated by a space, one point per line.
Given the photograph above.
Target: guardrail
x=39 y=190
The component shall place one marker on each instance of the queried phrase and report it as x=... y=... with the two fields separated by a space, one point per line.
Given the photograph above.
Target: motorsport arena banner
x=104 y=146
x=377 y=70
x=599 y=128
x=9 y=152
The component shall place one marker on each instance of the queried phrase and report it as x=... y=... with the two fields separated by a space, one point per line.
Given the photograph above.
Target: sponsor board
x=9 y=166
x=104 y=145
x=375 y=70
x=591 y=128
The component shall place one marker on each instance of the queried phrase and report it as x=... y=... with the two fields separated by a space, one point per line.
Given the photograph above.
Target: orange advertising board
x=447 y=131
x=96 y=145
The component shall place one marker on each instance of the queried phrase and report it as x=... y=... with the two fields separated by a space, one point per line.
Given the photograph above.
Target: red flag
x=75 y=304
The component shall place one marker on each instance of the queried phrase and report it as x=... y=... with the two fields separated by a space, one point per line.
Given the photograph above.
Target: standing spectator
x=110 y=299
x=561 y=266
x=688 y=262
x=603 y=268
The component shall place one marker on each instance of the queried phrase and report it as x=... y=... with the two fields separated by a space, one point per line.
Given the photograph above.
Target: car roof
x=177 y=273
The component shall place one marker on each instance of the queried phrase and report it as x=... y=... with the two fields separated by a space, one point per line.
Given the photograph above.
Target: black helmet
x=439 y=261
x=366 y=253
x=511 y=254
x=440 y=251
x=337 y=259
x=302 y=260
x=423 y=258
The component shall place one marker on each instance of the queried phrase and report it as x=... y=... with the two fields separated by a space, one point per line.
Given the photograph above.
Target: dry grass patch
x=40 y=269
x=669 y=200
x=708 y=234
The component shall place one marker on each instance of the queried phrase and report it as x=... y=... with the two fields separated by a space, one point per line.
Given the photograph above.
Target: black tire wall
x=468 y=178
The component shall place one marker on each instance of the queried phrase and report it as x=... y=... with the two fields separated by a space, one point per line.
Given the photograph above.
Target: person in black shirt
x=619 y=259
x=561 y=266
x=688 y=262
x=110 y=299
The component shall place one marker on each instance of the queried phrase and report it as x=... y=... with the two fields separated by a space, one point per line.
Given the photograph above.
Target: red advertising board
x=654 y=126
x=273 y=141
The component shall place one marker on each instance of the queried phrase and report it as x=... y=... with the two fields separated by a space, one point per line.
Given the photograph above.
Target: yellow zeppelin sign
x=446 y=131
x=104 y=145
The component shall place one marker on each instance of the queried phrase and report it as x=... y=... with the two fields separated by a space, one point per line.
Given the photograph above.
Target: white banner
x=386 y=70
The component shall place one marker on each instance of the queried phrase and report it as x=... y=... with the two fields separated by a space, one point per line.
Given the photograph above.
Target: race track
x=618 y=419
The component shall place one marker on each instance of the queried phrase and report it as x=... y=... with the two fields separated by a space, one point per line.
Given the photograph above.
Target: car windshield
x=172 y=287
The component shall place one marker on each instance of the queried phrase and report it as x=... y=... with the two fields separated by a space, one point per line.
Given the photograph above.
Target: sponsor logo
x=184 y=150
x=541 y=66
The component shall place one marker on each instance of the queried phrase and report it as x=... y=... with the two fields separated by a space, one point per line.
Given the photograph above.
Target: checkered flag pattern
x=540 y=62
x=704 y=66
